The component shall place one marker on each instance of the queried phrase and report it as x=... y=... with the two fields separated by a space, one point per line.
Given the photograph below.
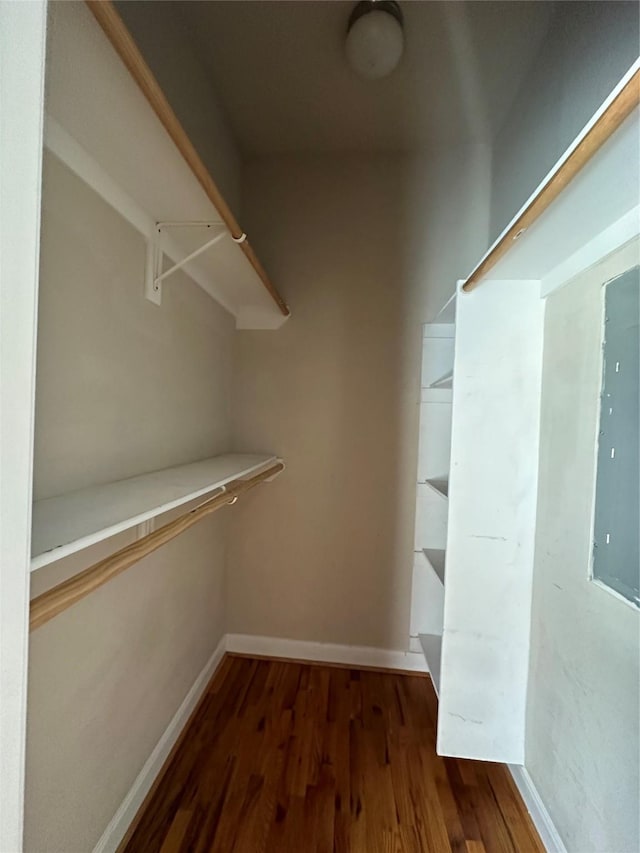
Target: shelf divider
x=432 y=650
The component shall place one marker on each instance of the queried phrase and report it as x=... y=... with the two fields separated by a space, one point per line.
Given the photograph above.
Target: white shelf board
x=440 y=486
x=432 y=650
x=445 y=381
x=596 y=213
x=102 y=127
x=435 y=558
x=66 y=524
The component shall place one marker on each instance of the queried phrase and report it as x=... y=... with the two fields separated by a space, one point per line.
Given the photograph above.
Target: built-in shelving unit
x=69 y=523
x=436 y=399
x=108 y=121
x=587 y=207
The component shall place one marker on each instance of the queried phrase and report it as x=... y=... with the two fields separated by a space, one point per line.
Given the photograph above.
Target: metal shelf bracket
x=154 y=276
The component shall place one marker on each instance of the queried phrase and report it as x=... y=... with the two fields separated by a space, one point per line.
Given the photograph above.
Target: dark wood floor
x=292 y=758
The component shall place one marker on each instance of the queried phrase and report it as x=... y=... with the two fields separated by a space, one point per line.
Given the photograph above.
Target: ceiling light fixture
x=375 y=39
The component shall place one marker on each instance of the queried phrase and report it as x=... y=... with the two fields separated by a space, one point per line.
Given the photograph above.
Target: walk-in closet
x=319 y=426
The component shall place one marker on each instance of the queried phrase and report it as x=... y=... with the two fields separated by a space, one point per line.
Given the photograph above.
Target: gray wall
x=366 y=249
x=123 y=386
x=582 y=740
x=588 y=48
x=167 y=45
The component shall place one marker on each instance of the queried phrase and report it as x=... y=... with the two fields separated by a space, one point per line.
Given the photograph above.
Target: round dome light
x=375 y=39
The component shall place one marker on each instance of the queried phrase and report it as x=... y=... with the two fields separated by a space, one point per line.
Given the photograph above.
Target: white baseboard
x=541 y=818
x=248 y=644
x=120 y=822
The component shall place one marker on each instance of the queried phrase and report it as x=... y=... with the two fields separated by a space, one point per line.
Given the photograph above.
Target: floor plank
x=283 y=757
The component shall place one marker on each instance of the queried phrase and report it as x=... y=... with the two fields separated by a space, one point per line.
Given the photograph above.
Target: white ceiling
x=280 y=72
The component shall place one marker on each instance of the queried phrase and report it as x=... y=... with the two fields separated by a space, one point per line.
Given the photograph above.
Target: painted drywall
x=164 y=38
x=588 y=48
x=123 y=386
x=365 y=250
x=123 y=383
x=582 y=739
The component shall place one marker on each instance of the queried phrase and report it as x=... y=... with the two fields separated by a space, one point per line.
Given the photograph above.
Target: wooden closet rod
x=114 y=28
x=67 y=593
x=626 y=100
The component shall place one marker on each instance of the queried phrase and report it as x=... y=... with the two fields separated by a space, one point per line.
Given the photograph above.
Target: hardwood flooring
x=293 y=758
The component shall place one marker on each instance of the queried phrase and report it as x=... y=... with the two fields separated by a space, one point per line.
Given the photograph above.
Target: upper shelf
x=109 y=122
x=586 y=207
x=66 y=524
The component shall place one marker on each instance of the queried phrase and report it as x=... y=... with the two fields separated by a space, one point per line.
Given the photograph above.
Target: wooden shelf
x=108 y=121
x=66 y=524
x=436 y=558
x=432 y=650
x=440 y=486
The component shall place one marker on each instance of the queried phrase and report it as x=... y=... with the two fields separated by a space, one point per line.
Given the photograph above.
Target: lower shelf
x=66 y=524
x=432 y=650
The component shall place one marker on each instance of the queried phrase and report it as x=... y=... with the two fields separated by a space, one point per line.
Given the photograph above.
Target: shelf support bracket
x=155 y=256
x=153 y=265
